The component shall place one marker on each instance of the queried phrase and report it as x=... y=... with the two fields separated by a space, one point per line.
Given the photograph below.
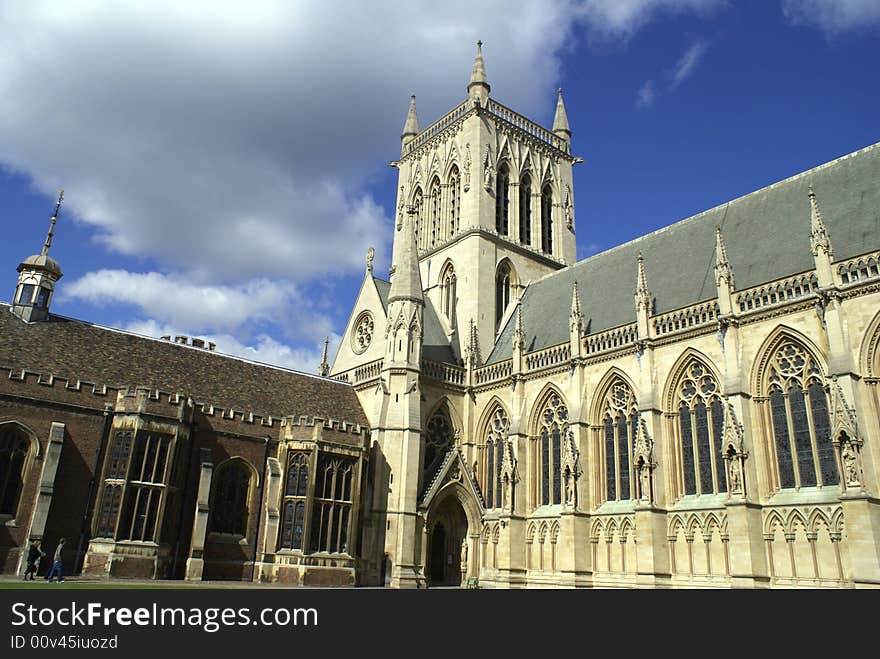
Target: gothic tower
x=490 y=196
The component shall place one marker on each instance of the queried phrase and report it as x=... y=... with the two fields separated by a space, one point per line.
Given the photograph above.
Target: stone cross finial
x=371 y=252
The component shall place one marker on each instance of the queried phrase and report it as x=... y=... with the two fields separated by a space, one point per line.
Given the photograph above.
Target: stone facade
x=696 y=408
x=640 y=419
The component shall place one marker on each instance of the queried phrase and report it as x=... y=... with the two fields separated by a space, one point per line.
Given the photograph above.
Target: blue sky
x=225 y=164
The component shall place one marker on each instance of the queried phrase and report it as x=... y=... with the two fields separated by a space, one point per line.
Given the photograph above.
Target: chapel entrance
x=448 y=528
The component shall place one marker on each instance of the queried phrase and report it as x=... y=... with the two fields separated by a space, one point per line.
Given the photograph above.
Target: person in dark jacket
x=33 y=560
x=56 y=563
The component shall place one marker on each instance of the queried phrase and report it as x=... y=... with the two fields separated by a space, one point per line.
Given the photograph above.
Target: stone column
x=195 y=563
x=45 y=489
x=274 y=482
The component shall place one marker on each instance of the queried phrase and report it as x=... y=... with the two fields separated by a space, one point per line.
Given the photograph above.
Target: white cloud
x=177 y=301
x=620 y=19
x=688 y=62
x=834 y=16
x=262 y=348
x=646 y=95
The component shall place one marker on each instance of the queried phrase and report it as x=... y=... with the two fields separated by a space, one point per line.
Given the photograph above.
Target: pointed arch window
x=547 y=220
x=547 y=451
x=14 y=448
x=502 y=291
x=619 y=429
x=229 y=502
x=502 y=201
x=495 y=435
x=296 y=490
x=448 y=292
x=454 y=201
x=799 y=417
x=434 y=236
x=525 y=210
x=331 y=516
x=438 y=439
x=417 y=217
x=699 y=418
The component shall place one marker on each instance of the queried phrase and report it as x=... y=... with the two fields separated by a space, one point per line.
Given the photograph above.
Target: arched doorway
x=447 y=530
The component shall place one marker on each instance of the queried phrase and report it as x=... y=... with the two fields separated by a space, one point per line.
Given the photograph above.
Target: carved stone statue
x=466 y=174
x=464 y=552
x=735 y=475
x=644 y=482
x=850 y=464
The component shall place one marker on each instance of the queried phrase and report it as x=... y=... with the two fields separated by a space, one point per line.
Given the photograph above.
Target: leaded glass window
x=434 y=237
x=14 y=447
x=502 y=201
x=525 y=210
x=438 y=439
x=229 y=503
x=619 y=425
x=800 y=419
x=454 y=201
x=145 y=487
x=496 y=434
x=296 y=491
x=554 y=423
x=700 y=418
x=547 y=220
x=331 y=510
x=448 y=291
x=502 y=291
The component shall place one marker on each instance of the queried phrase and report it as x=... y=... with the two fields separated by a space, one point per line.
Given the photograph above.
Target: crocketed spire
x=560 y=121
x=406 y=284
x=411 y=126
x=478 y=87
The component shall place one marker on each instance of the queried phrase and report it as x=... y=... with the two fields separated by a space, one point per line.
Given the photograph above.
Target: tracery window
x=454 y=201
x=547 y=220
x=525 y=210
x=700 y=417
x=448 y=292
x=14 y=447
x=331 y=512
x=502 y=291
x=800 y=419
x=502 y=201
x=229 y=503
x=496 y=435
x=434 y=237
x=547 y=451
x=619 y=429
x=438 y=439
x=145 y=487
x=296 y=488
x=362 y=336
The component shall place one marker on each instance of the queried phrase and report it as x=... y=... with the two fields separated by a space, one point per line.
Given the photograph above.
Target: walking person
x=35 y=553
x=56 y=563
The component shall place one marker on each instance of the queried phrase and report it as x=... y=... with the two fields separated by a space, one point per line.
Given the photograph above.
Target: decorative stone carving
x=845 y=437
x=400 y=207
x=568 y=209
x=488 y=172
x=363 y=331
x=466 y=172
x=571 y=470
x=734 y=452
x=371 y=253
x=509 y=476
x=643 y=458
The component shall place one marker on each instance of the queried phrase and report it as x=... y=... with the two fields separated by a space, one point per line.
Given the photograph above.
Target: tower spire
x=324 y=368
x=819 y=238
x=48 y=243
x=643 y=295
x=478 y=87
x=411 y=125
x=406 y=284
x=560 y=121
x=723 y=271
x=576 y=317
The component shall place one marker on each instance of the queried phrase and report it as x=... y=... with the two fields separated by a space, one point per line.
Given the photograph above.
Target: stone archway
x=447 y=531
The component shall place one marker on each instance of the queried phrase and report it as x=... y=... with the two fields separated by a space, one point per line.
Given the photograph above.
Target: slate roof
x=77 y=350
x=767 y=235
